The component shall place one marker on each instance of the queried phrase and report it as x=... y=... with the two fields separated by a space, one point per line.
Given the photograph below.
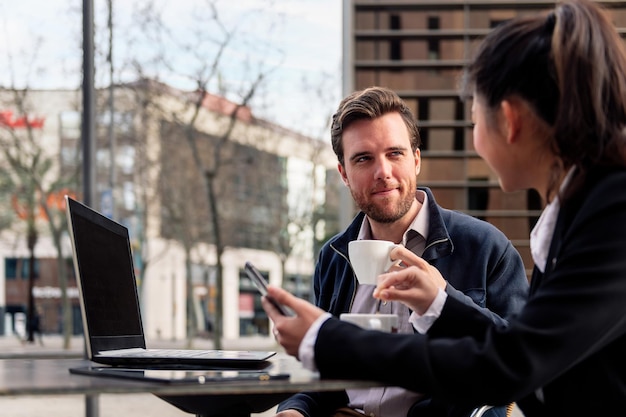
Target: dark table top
x=35 y=377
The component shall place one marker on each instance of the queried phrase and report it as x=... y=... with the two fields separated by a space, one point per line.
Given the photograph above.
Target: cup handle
x=390 y=263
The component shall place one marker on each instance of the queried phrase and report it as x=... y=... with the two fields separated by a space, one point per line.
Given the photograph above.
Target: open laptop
x=110 y=304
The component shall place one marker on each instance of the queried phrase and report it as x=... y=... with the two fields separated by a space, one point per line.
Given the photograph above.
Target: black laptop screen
x=107 y=275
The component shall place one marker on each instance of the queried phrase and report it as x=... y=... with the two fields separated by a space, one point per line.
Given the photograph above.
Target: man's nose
x=383 y=169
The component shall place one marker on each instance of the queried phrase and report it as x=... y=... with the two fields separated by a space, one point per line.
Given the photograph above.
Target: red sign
x=54 y=200
x=6 y=119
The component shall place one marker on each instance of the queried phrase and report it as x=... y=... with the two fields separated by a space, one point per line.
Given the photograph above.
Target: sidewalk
x=124 y=405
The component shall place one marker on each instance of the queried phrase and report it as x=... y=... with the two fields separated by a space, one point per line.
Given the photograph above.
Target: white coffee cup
x=376 y=321
x=370 y=258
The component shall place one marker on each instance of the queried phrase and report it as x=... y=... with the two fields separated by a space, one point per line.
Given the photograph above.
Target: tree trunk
x=191 y=316
x=30 y=316
x=219 y=276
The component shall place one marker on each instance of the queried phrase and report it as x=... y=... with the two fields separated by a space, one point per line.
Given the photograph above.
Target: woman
x=550 y=114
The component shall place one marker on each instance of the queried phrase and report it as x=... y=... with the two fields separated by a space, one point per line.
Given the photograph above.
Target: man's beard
x=374 y=212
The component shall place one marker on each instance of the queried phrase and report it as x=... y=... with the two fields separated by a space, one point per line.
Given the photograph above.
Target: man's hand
x=289 y=331
x=415 y=283
x=289 y=413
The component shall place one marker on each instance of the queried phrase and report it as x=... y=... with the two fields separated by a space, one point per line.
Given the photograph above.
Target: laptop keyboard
x=164 y=353
x=180 y=353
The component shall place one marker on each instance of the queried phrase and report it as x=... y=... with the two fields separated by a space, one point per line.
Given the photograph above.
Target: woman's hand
x=415 y=282
x=289 y=331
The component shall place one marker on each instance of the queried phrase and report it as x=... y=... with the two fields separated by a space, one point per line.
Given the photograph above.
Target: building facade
x=268 y=188
x=419 y=49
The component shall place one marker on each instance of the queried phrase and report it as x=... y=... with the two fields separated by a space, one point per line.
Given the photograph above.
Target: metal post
x=346 y=203
x=112 y=168
x=88 y=123
x=88 y=139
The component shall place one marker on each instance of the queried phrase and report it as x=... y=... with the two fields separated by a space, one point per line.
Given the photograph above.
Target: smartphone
x=261 y=284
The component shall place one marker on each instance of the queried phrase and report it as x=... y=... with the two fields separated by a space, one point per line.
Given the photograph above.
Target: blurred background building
x=418 y=48
x=270 y=187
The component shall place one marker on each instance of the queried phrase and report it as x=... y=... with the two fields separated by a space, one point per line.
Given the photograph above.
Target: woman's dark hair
x=571 y=66
x=370 y=104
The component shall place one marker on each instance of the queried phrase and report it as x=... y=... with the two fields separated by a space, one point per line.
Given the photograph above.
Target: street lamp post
x=87 y=133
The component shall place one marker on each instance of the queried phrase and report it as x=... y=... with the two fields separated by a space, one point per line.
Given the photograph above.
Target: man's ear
x=342 y=172
x=418 y=161
x=511 y=120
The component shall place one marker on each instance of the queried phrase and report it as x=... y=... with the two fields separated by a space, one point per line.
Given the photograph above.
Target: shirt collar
x=541 y=235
